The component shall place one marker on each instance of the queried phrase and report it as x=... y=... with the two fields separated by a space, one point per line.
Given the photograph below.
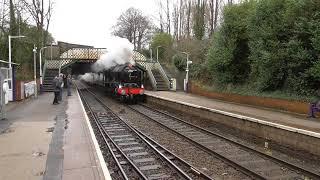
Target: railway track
x=256 y=164
x=134 y=155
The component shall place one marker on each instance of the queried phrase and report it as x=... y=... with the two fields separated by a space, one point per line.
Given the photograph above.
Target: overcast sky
x=90 y=21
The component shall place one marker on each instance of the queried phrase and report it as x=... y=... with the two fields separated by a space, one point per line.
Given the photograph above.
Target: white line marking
x=103 y=164
x=288 y=128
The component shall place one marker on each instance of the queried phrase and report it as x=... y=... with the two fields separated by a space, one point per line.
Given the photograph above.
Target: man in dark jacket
x=56 y=90
x=60 y=82
x=69 y=84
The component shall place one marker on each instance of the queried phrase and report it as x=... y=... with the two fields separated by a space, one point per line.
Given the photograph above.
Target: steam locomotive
x=124 y=82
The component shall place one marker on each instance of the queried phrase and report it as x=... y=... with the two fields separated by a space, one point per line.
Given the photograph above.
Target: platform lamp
x=158 y=53
x=35 y=70
x=187 y=70
x=40 y=65
x=10 y=60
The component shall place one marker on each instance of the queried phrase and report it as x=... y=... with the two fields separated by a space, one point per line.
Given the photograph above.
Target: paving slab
x=25 y=142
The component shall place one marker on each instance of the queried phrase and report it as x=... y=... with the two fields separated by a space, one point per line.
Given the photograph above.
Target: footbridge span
x=79 y=61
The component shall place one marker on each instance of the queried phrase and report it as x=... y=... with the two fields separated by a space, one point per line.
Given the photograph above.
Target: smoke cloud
x=91 y=77
x=119 y=51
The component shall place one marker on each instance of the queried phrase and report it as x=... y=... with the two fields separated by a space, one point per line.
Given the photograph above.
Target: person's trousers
x=69 y=91
x=60 y=94
x=56 y=94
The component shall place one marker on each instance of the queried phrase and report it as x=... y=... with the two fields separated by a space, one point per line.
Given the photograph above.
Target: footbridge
x=79 y=61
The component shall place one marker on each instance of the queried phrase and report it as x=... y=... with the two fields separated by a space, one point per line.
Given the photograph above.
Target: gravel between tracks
x=297 y=157
x=198 y=158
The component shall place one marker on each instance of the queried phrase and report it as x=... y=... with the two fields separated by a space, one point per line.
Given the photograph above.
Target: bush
x=270 y=45
x=280 y=44
x=228 y=55
x=180 y=62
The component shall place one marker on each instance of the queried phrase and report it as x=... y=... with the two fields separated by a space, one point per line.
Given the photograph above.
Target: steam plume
x=119 y=51
x=91 y=77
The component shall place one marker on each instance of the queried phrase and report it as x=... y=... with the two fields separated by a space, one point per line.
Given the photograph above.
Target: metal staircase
x=160 y=82
x=48 y=78
x=157 y=76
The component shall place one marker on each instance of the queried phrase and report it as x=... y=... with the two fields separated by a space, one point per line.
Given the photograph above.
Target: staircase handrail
x=163 y=74
x=152 y=78
x=44 y=69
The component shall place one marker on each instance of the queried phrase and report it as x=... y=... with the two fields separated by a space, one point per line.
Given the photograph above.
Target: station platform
x=44 y=141
x=273 y=117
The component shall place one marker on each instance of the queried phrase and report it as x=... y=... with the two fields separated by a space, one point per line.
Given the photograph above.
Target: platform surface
x=24 y=140
x=270 y=115
x=80 y=157
x=44 y=141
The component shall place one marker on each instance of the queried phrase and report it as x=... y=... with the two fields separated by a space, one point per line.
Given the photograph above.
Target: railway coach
x=125 y=82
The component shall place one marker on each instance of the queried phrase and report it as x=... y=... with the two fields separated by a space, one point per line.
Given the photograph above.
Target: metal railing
x=152 y=78
x=163 y=74
x=44 y=69
x=152 y=65
x=83 y=53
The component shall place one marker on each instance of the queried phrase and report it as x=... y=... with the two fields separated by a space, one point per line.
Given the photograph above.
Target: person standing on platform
x=60 y=87
x=65 y=81
x=56 y=90
x=69 y=84
x=314 y=106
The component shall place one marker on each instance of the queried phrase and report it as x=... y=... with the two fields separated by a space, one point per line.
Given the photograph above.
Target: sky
x=90 y=22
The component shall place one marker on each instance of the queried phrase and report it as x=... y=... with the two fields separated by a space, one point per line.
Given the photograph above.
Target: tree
x=216 y=14
x=188 y=29
x=168 y=18
x=165 y=41
x=228 y=56
x=199 y=26
x=14 y=21
x=134 y=26
x=41 y=14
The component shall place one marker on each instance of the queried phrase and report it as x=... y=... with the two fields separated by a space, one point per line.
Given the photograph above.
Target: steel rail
x=237 y=166
x=181 y=172
x=195 y=170
x=102 y=134
x=102 y=130
x=278 y=160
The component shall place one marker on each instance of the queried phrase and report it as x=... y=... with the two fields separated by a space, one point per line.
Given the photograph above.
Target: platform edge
x=103 y=164
x=279 y=126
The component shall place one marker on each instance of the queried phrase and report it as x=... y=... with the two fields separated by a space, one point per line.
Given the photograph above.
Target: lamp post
x=151 y=54
x=35 y=70
x=12 y=37
x=40 y=65
x=187 y=70
x=158 y=53
x=10 y=61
